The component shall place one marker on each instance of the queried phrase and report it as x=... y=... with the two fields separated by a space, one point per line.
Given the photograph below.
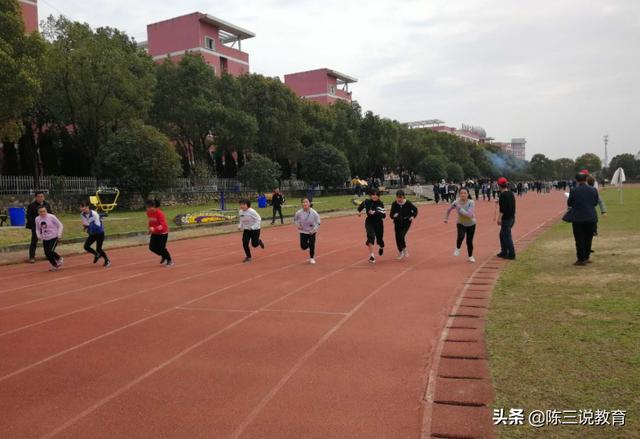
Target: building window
x=209 y=43
x=332 y=89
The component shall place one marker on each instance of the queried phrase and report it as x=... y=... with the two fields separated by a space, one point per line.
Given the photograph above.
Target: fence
x=24 y=185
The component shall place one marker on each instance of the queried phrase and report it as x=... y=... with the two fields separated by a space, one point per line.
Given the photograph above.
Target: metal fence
x=25 y=185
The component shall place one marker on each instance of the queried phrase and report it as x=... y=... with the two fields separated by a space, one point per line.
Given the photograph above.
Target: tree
x=470 y=170
x=95 y=82
x=326 y=165
x=541 y=167
x=590 y=162
x=627 y=162
x=433 y=168
x=20 y=60
x=564 y=168
x=139 y=158
x=455 y=172
x=260 y=173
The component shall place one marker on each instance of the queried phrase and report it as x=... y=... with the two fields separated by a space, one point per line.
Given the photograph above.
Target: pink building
x=219 y=42
x=324 y=86
x=30 y=14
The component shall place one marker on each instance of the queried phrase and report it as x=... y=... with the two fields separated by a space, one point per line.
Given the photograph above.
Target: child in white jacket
x=308 y=222
x=250 y=223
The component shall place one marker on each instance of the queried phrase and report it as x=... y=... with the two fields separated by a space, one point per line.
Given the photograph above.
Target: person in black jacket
x=403 y=213
x=583 y=200
x=277 y=200
x=374 y=225
x=32 y=214
x=506 y=219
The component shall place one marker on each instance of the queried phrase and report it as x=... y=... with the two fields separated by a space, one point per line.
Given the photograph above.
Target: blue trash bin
x=17 y=216
x=262 y=201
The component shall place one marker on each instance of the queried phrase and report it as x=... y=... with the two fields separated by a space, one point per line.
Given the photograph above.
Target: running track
x=214 y=348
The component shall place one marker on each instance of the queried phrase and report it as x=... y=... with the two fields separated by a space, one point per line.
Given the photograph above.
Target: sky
x=560 y=73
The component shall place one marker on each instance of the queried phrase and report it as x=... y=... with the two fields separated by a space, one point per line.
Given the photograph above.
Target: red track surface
x=214 y=348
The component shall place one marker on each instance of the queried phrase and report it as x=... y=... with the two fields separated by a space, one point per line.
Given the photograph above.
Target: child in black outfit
x=403 y=213
x=374 y=225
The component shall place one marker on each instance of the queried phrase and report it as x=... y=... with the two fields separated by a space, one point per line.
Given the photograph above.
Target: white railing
x=24 y=185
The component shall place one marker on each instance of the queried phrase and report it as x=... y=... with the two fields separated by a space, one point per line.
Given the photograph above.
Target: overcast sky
x=561 y=73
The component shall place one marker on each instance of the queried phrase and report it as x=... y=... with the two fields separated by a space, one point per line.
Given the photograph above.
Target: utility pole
x=606 y=152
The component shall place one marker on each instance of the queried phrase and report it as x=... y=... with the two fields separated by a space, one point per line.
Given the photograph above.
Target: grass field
x=568 y=338
x=136 y=221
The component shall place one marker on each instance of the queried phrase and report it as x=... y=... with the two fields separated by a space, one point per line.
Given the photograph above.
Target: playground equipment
x=105 y=200
x=185 y=219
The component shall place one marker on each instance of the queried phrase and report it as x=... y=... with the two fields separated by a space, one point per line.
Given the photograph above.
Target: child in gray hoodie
x=308 y=222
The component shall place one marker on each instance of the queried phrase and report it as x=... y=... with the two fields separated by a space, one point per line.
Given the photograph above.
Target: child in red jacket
x=159 y=231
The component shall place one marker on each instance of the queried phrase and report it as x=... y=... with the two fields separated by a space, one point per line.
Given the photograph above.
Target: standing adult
x=32 y=213
x=582 y=201
x=277 y=200
x=506 y=219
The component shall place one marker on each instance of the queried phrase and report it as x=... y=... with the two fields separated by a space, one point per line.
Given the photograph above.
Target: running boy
x=374 y=225
x=49 y=230
x=466 y=222
x=403 y=213
x=250 y=223
x=95 y=228
x=308 y=222
x=159 y=231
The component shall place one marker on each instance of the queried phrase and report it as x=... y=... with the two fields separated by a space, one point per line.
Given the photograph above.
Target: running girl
x=95 y=228
x=308 y=222
x=250 y=223
x=466 y=222
x=49 y=230
x=403 y=213
x=159 y=231
x=374 y=225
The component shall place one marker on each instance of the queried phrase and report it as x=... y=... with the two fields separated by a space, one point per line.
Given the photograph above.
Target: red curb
x=459 y=368
x=464 y=392
x=475 y=302
x=464 y=350
x=465 y=334
x=452 y=421
x=468 y=322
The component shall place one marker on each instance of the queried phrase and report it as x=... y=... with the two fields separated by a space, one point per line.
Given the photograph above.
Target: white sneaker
x=406 y=253
x=312 y=261
x=456 y=252
x=60 y=262
x=400 y=256
x=472 y=259
x=54 y=269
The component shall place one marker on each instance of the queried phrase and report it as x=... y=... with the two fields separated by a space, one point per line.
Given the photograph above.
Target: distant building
x=324 y=86
x=30 y=14
x=518 y=148
x=219 y=42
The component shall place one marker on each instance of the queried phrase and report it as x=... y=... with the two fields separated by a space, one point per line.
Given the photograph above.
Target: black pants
x=507 y=248
x=158 y=245
x=34 y=243
x=50 y=251
x=308 y=241
x=99 y=240
x=277 y=209
x=469 y=231
x=252 y=236
x=583 y=235
x=375 y=233
x=401 y=232
x=477 y=192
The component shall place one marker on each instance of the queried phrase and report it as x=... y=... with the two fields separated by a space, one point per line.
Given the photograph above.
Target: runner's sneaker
x=400 y=256
x=472 y=259
x=163 y=260
x=107 y=263
x=456 y=252
x=246 y=260
x=169 y=263
x=96 y=258
x=60 y=262
x=312 y=261
x=53 y=269
x=261 y=244
x=32 y=260
x=372 y=259
x=406 y=253
x=381 y=251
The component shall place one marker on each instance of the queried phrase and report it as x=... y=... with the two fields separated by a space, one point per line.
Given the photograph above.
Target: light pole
x=606 y=153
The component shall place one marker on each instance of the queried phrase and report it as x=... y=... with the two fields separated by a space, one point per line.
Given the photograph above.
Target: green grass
x=136 y=221
x=568 y=338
